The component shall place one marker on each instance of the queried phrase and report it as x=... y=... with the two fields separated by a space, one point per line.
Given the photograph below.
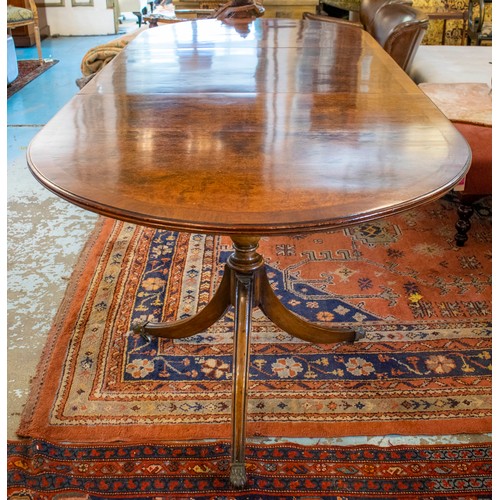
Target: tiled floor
x=46 y=234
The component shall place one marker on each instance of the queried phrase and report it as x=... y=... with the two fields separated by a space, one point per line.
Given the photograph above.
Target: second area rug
x=423 y=368
x=44 y=471
x=29 y=69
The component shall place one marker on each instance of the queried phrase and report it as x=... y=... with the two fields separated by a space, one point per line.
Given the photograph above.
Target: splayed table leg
x=245 y=285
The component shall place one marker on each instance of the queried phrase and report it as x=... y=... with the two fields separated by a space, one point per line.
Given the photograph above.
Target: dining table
x=265 y=127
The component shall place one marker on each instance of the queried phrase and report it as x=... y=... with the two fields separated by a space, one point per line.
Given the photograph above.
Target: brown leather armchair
x=397 y=27
x=369 y=9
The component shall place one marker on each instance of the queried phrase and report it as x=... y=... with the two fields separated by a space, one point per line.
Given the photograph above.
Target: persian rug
x=28 y=69
x=43 y=470
x=424 y=366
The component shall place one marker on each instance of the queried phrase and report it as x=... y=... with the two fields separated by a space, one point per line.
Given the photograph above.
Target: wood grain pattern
x=280 y=126
x=294 y=127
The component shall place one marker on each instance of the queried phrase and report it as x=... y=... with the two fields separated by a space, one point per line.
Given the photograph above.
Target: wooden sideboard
x=24 y=36
x=292 y=9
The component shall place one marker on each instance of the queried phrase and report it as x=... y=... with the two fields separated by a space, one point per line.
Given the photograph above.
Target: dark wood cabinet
x=24 y=36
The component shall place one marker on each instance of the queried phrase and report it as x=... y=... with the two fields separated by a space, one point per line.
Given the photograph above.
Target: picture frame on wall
x=82 y=3
x=50 y=3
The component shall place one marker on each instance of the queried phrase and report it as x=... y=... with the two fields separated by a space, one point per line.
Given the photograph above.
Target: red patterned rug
x=28 y=69
x=42 y=470
x=423 y=368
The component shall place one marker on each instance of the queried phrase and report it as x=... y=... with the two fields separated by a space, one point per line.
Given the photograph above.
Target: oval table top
x=275 y=127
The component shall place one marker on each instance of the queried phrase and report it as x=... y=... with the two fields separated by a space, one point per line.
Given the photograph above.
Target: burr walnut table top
x=279 y=126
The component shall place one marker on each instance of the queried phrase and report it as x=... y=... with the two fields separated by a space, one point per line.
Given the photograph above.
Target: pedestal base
x=245 y=285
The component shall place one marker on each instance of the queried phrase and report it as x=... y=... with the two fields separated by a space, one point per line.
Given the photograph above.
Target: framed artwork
x=82 y=3
x=50 y=3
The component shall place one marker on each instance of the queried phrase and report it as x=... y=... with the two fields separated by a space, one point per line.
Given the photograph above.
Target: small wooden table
x=275 y=127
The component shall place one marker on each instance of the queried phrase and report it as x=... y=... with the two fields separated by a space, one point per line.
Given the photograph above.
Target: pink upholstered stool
x=468 y=106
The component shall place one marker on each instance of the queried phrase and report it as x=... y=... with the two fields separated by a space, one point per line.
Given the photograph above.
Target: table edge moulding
x=272 y=127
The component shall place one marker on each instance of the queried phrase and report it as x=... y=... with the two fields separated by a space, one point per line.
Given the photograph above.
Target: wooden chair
x=17 y=16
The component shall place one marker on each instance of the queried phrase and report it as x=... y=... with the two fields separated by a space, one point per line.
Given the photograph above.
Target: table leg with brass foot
x=245 y=285
x=244 y=294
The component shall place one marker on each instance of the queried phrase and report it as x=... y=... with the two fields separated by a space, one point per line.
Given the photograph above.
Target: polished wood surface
x=279 y=126
x=282 y=127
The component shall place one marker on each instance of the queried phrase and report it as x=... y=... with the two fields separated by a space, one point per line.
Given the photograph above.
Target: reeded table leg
x=245 y=285
x=244 y=291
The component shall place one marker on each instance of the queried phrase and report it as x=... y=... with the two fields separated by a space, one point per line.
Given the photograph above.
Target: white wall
x=78 y=21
